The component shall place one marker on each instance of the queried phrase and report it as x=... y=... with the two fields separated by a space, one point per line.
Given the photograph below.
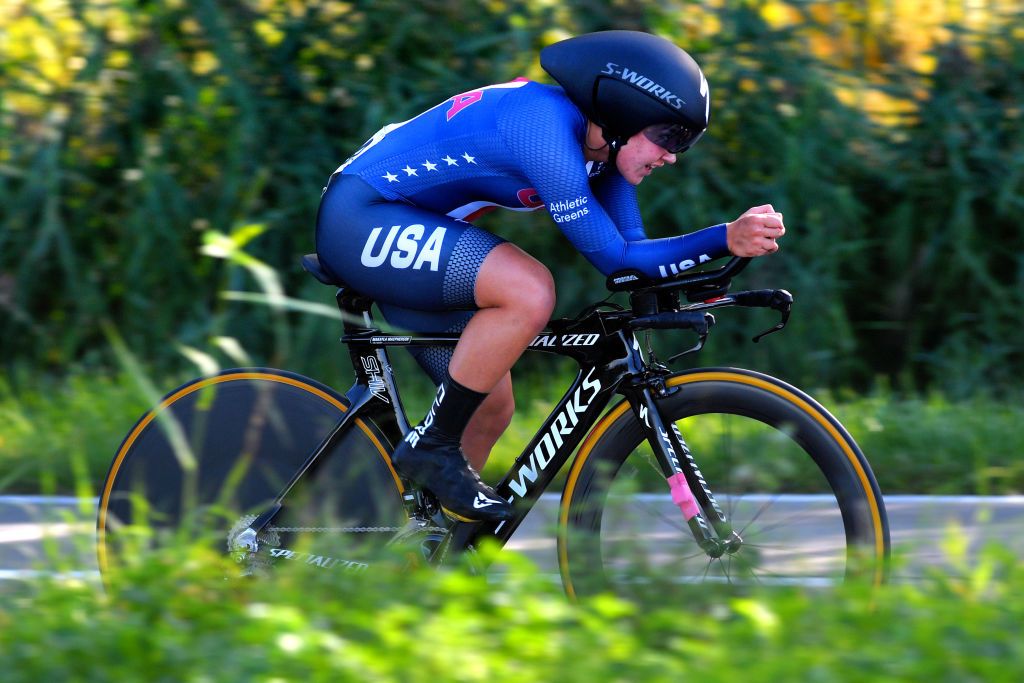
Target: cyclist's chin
x=636 y=177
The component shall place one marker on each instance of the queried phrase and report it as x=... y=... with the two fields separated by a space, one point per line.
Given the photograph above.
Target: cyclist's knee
x=512 y=279
x=535 y=296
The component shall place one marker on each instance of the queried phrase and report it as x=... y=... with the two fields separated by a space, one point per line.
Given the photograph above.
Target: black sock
x=448 y=416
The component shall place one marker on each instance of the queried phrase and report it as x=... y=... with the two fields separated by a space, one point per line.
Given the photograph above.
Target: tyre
x=217 y=451
x=788 y=476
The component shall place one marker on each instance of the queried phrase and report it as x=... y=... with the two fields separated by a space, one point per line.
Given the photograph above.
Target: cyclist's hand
x=754 y=233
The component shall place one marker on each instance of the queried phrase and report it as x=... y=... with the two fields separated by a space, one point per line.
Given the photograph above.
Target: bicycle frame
x=610 y=362
x=604 y=363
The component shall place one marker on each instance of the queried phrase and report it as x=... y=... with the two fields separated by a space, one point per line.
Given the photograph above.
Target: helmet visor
x=673 y=137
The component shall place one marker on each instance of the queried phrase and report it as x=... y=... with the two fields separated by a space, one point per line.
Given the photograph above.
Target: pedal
x=420 y=538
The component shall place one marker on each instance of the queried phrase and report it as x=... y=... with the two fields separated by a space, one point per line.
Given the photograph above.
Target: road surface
x=56 y=534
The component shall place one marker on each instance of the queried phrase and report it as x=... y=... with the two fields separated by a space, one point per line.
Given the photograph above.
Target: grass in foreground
x=174 y=617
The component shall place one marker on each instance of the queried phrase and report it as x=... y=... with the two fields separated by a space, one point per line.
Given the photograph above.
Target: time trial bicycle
x=705 y=475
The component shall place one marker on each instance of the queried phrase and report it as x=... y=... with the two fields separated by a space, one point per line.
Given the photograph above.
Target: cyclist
x=396 y=222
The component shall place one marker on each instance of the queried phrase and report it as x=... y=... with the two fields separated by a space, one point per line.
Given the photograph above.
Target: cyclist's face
x=639 y=157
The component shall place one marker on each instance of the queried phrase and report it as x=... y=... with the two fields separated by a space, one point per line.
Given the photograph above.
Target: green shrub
x=174 y=617
x=60 y=436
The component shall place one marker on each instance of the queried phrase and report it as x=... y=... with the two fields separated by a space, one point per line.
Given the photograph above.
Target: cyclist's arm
x=618 y=198
x=545 y=141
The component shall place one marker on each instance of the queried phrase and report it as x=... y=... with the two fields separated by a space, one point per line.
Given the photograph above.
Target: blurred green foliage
x=130 y=129
x=59 y=436
x=175 y=618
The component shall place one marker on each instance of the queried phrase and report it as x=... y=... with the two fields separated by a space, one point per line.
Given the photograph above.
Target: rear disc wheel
x=221 y=448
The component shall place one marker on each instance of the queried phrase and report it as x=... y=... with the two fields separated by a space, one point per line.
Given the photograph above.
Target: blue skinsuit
x=395 y=220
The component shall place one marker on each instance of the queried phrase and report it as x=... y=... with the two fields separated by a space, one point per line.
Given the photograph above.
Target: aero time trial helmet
x=629 y=81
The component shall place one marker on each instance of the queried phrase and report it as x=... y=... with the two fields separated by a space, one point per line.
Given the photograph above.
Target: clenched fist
x=754 y=233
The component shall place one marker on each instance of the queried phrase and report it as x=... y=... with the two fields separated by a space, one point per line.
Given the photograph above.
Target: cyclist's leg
x=516 y=295
x=493 y=416
x=489 y=422
x=432 y=262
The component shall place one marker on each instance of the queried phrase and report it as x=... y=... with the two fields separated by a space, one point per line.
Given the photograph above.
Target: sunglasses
x=673 y=137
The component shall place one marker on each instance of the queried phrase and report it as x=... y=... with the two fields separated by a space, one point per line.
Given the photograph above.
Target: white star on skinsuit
x=409 y=170
x=465 y=155
x=392 y=178
x=451 y=162
x=429 y=165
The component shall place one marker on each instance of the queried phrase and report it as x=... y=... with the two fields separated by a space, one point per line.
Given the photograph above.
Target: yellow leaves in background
x=269 y=32
x=874 y=32
x=868 y=36
x=45 y=45
x=42 y=48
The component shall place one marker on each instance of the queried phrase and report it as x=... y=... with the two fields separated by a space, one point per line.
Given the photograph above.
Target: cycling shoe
x=444 y=471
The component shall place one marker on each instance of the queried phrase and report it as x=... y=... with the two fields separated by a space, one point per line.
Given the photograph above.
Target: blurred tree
x=129 y=129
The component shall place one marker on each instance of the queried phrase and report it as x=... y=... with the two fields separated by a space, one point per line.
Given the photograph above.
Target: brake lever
x=781 y=301
x=702 y=337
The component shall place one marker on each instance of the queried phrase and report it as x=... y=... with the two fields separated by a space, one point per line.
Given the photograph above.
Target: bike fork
x=698 y=489
x=690 y=493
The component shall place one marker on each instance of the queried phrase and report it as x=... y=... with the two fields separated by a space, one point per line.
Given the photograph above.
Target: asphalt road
x=54 y=534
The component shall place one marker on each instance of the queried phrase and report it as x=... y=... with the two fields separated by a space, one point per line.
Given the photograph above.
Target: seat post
x=354 y=305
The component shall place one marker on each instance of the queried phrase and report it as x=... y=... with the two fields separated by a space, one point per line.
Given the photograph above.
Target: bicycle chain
x=350 y=530
x=334 y=530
